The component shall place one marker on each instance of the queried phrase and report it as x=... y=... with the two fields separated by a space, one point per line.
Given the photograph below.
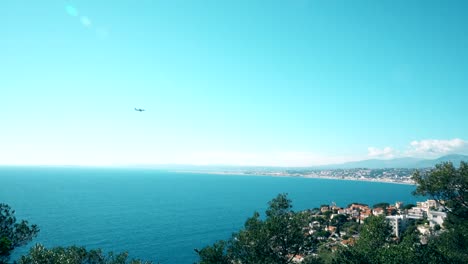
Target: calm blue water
x=157 y=215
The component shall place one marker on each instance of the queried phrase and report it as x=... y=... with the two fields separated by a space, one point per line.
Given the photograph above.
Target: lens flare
x=85 y=21
x=71 y=10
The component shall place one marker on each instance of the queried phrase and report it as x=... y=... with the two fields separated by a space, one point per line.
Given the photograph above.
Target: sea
x=162 y=216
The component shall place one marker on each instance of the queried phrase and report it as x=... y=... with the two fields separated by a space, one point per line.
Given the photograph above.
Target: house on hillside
x=378 y=211
x=436 y=218
x=399 y=223
x=416 y=213
x=324 y=209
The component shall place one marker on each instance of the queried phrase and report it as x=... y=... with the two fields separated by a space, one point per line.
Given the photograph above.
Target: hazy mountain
x=454 y=158
x=370 y=164
x=398 y=163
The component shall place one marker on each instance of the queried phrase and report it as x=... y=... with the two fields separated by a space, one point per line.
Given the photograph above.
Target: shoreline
x=295 y=176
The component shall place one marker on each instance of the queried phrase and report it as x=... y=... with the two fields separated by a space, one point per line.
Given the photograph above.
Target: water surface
x=159 y=215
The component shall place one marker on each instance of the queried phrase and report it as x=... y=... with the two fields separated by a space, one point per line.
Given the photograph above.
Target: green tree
x=408 y=206
x=448 y=185
x=75 y=255
x=349 y=256
x=327 y=215
x=375 y=234
x=351 y=227
x=276 y=239
x=409 y=250
x=373 y=239
x=13 y=233
x=214 y=254
x=339 y=220
x=381 y=205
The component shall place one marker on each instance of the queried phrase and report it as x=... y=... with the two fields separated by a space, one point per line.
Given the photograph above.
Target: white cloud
x=426 y=148
x=386 y=152
x=81 y=153
x=436 y=147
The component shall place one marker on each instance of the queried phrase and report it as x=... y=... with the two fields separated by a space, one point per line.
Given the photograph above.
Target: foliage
x=13 y=233
x=375 y=233
x=74 y=255
x=339 y=220
x=313 y=260
x=408 y=206
x=349 y=256
x=214 y=254
x=281 y=235
x=381 y=205
x=449 y=186
x=277 y=239
x=322 y=234
x=351 y=227
x=327 y=214
x=375 y=245
x=314 y=210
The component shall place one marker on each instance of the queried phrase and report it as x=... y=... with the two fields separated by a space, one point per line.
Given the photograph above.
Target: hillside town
x=337 y=226
x=393 y=175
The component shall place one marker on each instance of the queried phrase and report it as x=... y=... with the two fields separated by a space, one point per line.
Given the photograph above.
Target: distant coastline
x=343 y=178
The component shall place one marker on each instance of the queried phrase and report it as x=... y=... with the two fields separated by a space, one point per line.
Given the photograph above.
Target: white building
x=424 y=230
x=427 y=205
x=416 y=213
x=398 y=223
x=436 y=218
x=399 y=205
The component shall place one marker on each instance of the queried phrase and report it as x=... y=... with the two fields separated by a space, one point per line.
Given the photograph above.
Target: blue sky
x=288 y=83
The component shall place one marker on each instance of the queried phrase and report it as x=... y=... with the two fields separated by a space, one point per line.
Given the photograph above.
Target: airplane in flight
x=139 y=109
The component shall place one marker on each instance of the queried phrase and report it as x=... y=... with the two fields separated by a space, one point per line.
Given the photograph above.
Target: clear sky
x=244 y=82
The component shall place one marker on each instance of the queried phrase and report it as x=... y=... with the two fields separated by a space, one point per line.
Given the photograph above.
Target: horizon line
x=135 y=165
